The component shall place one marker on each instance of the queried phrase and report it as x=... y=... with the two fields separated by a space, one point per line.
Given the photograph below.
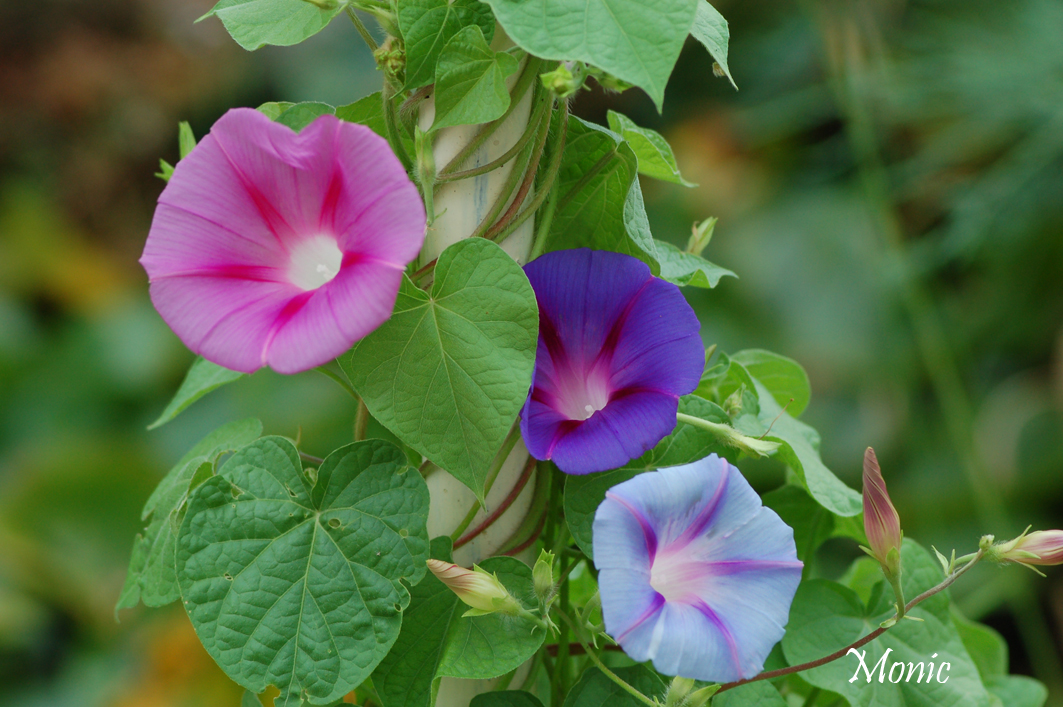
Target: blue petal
x=629 y=607
x=623 y=537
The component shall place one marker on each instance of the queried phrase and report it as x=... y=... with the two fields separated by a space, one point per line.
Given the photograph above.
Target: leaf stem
x=329 y=373
x=842 y=652
x=392 y=127
x=631 y=690
x=550 y=187
x=532 y=169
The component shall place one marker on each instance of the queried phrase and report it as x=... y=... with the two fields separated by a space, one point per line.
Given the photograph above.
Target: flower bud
x=881 y=522
x=479 y=589
x=543 y=577
x=1041 y=547
x=562 y=81
x=700 y=235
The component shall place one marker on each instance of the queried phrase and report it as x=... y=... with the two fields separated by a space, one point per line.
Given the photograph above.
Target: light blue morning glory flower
x=695 y=573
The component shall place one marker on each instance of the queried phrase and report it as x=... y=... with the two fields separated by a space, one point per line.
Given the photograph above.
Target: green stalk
x=631 y=690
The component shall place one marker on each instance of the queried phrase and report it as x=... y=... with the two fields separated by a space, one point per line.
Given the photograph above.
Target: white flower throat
x=314 y=262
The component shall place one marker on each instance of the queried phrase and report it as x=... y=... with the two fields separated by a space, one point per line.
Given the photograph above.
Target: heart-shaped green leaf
x=427 y=26
x=652 y=150
x=471 y=80
x=255 y=23
x=450 y=370
x=202 y=377
x=710 y=28
x=294 y=577
x=635 y=41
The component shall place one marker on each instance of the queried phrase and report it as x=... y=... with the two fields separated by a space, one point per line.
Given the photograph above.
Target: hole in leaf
x=403 y=532
x=228 y=576
x=334 y=522
x=398 y=607
x=289 y=490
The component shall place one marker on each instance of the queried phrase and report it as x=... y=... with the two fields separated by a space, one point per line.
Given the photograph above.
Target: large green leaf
x=710 y=28
x=594 y=689
x=756 y=694
x=826 y=616
x=438 y=641
x=450 y=370
x=255 y=23
x=152 y=577
x=506 y=698
x=294 y=577
x=686 y=269
x=583 y=494
x=1017 y=691
x=812 y=523
x=471 y=80
x=654 y=154
x=782 y=376
x=202 y=377
x=599 y=198
x=427 y=26
x=633 y=40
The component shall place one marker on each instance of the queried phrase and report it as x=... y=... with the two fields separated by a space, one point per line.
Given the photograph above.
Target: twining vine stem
x=842 y=652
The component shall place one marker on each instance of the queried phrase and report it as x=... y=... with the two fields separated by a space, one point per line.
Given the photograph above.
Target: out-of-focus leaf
x=300 y=115
x=202 y=377
x=812 y=523
x=255 y=23
x=297 y=580
x=152 y=577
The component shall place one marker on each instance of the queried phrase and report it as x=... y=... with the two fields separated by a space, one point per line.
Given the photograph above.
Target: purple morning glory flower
x=275 y=248
x=695 y=574
x=617 y=347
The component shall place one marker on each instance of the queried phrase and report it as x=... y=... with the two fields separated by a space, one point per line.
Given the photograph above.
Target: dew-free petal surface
x=275 y=248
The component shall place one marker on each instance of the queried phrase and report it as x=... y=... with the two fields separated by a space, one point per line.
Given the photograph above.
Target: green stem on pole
x=628 y=688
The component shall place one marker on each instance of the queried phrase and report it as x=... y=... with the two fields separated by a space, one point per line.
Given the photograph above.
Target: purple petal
x=581 y=295
x=625 y=429
x=617 y=347
x=271 y=247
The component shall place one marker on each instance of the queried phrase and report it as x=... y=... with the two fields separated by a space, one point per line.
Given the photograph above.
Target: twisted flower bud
x=881 y=522
x=1041 y=547
x=479 y=589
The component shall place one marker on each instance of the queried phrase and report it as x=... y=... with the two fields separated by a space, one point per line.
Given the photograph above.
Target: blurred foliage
x=889 y=184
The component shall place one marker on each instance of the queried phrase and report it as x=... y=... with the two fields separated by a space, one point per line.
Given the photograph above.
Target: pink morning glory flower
x=617 y=347
x=694 y=573
x=275 y=248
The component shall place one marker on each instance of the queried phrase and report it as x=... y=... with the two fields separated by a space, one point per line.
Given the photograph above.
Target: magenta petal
x=275 y=248
x=617 y=347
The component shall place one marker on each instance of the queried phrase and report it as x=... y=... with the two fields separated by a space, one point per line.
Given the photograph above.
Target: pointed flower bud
x=881 y=522
x=1041 y=547
x=700 y=236
x=479 y=589
x=543 y=576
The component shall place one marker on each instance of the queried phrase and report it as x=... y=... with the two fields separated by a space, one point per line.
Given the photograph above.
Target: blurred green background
x=889 y=183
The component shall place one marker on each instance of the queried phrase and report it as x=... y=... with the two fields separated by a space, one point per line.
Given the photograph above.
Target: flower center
x=674 y=575
x=314 y=262
x=583 y=395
